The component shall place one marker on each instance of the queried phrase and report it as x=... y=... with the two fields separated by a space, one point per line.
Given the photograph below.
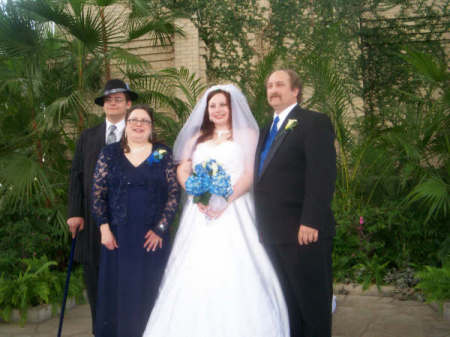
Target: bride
x=218 y=281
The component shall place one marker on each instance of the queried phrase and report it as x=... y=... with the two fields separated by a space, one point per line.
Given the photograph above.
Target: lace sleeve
x=173 y=197
x=100 y=190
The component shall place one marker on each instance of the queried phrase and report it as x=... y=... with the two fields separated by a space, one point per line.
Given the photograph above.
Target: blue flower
x=208 y=178
x=156 y=156
x=221 y=185
x=197 y=185
x=200 y=170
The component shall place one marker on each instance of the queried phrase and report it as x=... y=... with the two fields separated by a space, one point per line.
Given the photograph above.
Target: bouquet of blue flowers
x=208 y=179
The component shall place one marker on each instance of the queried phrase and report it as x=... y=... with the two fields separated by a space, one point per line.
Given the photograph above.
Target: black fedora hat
x=113 y=86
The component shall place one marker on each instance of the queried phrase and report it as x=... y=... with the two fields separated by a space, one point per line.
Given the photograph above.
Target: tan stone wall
x=185 y=50
x=159 y=56
x=189 y=49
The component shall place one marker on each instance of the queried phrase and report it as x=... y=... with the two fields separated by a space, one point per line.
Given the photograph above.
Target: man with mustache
x=294 y=183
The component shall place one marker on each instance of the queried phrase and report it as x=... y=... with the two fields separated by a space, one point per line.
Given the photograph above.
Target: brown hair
x=295 y=81
x=207 y=127
x=151 y=138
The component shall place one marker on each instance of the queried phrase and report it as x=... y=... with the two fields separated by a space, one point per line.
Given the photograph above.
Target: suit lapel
x=279 y=138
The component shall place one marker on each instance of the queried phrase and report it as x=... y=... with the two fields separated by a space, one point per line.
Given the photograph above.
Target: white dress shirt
x=282 y=115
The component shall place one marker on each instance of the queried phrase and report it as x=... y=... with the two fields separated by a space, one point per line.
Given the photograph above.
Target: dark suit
x=87 y=250
x=296 y=186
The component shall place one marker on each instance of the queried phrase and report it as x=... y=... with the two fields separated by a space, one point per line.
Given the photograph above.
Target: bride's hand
x=215 y=214
x=202 y=208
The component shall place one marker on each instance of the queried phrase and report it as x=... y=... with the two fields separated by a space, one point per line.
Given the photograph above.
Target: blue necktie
x=269 y=141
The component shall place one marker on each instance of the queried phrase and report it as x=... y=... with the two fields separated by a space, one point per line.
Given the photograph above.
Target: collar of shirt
x=283 y=114
x=119 y=131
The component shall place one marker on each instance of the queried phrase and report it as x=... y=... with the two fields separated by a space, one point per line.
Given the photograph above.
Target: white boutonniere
x=156 y=156
x=291 y=123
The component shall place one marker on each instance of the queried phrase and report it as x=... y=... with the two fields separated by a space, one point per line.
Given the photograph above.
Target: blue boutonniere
x=291 y=123
x=156 y=156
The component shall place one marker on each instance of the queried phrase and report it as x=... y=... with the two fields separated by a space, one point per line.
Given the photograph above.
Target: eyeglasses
x=114 y=99
x=136 y=121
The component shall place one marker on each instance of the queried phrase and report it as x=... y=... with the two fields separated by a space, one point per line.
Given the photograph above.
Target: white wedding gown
x=219 y=281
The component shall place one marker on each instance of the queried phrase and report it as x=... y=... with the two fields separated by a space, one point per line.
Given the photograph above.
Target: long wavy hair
x=151 y=138
x=207 y=127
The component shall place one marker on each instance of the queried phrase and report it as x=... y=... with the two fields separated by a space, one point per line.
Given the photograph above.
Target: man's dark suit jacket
x=297 y=181
x=89 y=145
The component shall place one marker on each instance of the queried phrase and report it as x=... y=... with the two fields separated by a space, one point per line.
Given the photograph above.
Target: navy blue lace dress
x=132 y=200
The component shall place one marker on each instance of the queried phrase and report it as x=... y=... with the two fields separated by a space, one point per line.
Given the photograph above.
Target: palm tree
x=54 y=55
x=432 y=140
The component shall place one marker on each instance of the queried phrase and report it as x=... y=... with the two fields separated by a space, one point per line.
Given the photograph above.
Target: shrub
x=435 y=283
x=36 y=283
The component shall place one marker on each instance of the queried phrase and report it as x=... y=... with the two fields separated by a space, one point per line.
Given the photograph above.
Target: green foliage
x=54 y=58
x=371 y=271
x=47 y=94
x=161 y=90
x=36 y=283
x=31 y=234
x=434 y=193
x=255 y=88
x=224 y=27
x=435 y=283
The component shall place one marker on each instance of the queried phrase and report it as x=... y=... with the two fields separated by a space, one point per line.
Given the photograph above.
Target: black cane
x=66 y=288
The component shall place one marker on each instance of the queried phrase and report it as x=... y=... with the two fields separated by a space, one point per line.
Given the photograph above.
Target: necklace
x=221 y=133
x=221 y=136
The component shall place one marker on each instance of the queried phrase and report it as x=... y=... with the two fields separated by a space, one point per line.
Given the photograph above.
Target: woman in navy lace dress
x=135 y=198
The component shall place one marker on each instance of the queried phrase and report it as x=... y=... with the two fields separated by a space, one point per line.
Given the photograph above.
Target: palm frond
x=49 y=11
x=23 y=180
x=19 y=37
x=398 y=140
x=190 y=86
x=94 y=31
x=424 y=64
x=433 y=192
x=152 y=88
x=160 y=29
x=125 y=59
x=72 y=108
x=143 y=8
x=86 y=23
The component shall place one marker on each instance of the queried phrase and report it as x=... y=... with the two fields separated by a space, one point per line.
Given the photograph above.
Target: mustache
x=274 y=95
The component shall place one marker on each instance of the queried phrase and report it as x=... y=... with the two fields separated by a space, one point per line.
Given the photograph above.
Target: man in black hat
x=116 y=99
